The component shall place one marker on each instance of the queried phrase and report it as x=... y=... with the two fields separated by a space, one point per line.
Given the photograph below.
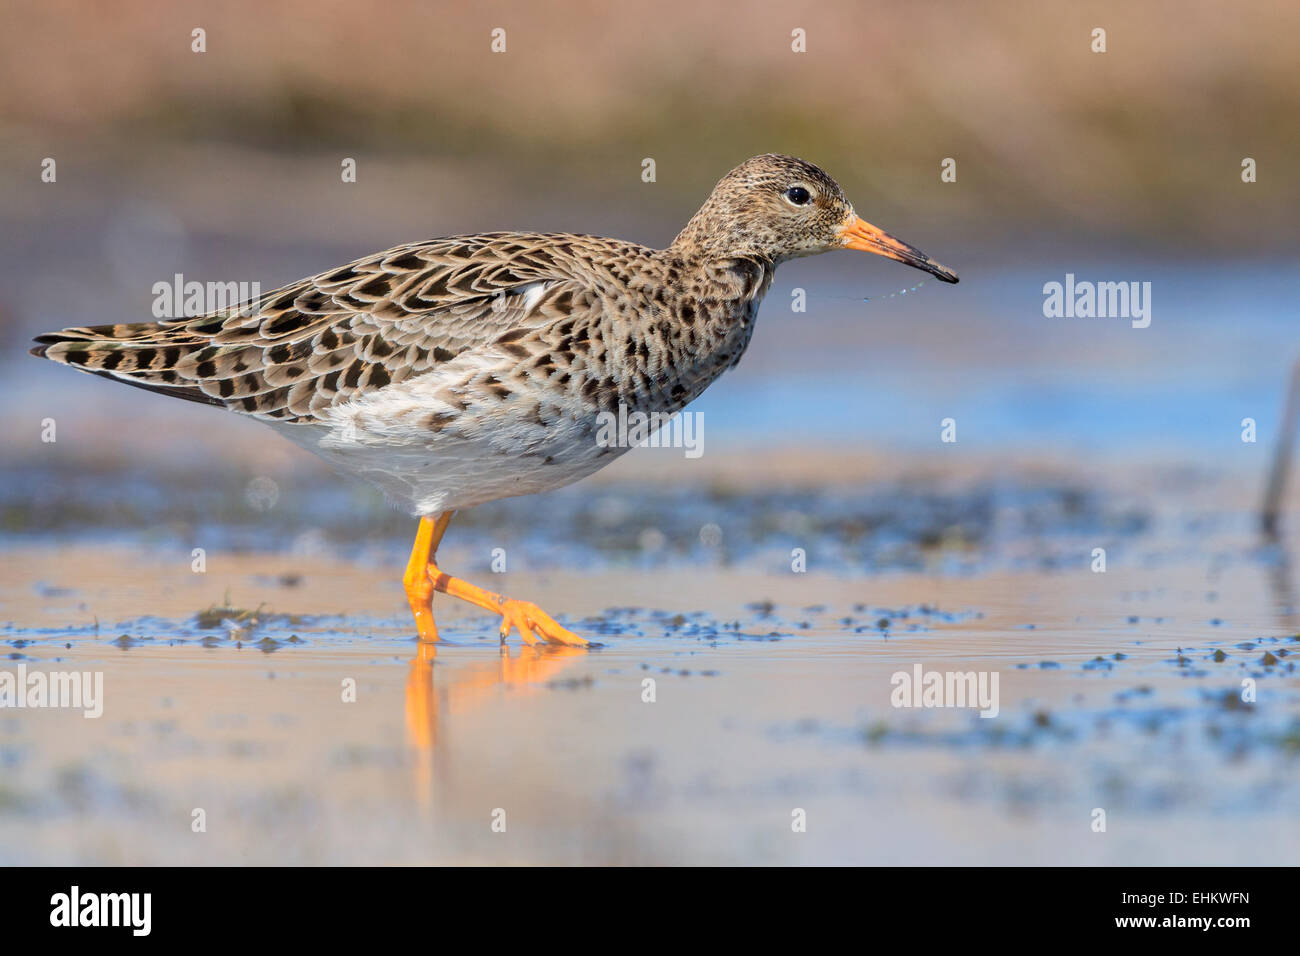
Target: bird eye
x=798 y=195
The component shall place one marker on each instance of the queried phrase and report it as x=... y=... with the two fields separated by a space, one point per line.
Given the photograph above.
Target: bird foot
x=534 y=624
x=423 y=577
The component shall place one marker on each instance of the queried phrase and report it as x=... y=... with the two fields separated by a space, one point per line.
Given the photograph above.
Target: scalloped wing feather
x=316 y=343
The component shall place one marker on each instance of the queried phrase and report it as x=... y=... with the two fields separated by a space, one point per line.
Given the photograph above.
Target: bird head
x=779 y=207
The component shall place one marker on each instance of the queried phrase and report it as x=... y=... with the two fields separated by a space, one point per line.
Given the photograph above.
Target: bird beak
x=855 y=233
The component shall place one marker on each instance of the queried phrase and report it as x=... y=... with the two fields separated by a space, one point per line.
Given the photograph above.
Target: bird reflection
x=463 y=686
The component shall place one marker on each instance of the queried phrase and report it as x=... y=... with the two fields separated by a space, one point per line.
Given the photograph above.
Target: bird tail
x=144 y=354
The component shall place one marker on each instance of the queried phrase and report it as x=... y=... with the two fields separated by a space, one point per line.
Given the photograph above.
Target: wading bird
x=452 y=372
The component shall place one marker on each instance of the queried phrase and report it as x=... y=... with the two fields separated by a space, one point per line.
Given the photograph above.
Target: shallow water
x=772 y=694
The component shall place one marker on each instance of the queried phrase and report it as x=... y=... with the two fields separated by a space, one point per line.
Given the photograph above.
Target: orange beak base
x=859 y=234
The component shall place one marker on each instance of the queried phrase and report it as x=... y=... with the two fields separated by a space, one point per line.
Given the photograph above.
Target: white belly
x=484 y=455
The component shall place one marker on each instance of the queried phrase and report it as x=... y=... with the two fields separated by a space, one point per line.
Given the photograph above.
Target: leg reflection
x=462 y=686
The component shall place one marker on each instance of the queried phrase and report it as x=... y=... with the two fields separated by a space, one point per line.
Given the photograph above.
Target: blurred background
x=1119 y=166
x=1122 y=166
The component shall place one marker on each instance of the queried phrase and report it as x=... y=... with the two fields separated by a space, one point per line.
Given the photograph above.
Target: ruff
x=456 y=371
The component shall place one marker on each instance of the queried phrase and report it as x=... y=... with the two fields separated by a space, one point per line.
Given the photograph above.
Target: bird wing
x=303 y=348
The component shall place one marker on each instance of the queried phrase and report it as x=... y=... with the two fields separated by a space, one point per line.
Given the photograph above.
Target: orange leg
x=419 y=589
x=534 y=624
x=421 y=702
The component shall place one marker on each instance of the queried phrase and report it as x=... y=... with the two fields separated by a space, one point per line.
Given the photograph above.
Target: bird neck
x=731 y=280
x=716 y=231
x=713 y=302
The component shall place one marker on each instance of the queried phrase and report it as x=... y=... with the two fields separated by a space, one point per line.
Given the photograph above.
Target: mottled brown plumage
x=611 y=321
x=455 y=371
